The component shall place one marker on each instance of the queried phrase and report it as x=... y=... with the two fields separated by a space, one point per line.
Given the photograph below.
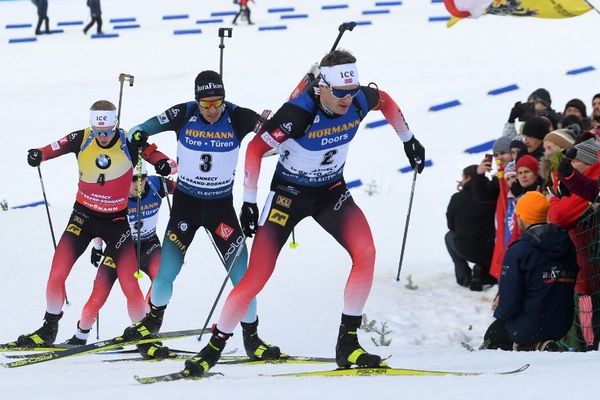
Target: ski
x=231 y=360
x=12 y=347
x=358 y=371
x=118 y=351
x=108 y=344
x=175 y=376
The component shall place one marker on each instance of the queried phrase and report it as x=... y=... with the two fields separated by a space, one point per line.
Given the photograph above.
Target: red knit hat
x=529 y=162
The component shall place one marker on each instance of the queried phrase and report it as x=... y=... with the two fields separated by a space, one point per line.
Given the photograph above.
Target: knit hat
x=529 y=162
x=597 y=95
x=578 y=104
x=532 y=208
x=587 y=152
x=536 y=127
x=541 y=95
x=510 y=169
x=208 y=84
x=518 y=144
x=561 y=137
x=502 y=145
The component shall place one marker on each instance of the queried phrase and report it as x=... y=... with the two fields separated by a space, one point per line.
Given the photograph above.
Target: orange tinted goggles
x=211 y=103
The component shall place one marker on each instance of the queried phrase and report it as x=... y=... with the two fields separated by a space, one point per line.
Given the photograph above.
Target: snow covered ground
x=48 y=86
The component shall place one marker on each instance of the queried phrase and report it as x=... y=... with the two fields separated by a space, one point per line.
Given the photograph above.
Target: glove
x=96 y=256
x=34 y=157
x=163 y=167
x=415 y=153
x=516 y=189
x=138 y=138
x=515 y=112
x=249 y=218
x=564 y=167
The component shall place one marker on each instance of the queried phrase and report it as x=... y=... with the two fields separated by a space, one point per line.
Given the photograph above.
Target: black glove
x=34 y=157
x=138 y=138
x=515 y=112
x=564 y=167
x=571 y=153
x=96 y=256
x=516 y=189
x=163 y=167
x=415 y=153
x=249 y=218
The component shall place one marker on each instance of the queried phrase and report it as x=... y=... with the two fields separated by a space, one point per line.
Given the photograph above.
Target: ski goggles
x=342 y=93
x=103 y=132
x=211 y=103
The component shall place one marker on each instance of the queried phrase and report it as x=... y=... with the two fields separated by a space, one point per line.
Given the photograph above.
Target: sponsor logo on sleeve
x=283 y=201
x=74 y=229
x=162 y=118
x=269 y=139
x=278 y=217
x=224 y=231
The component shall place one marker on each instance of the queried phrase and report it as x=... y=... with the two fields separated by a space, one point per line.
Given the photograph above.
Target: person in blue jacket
x=96 y=14
x=535 y=296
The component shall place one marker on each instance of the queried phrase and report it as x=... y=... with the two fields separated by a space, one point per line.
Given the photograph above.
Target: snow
x=48 y=86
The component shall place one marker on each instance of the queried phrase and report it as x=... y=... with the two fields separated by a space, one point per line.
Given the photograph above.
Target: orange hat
x=532 y=208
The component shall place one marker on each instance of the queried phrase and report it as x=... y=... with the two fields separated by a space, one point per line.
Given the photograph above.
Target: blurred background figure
x=96 y=14
x=42 y=12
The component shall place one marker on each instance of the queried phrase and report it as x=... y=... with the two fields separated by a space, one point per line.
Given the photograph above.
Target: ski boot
x=149 y=325
x=46 y=335
x=476 y=279
x=79 y=338
x=209 y=355
x=255 y=347
x=348 y=351
x=153 y=350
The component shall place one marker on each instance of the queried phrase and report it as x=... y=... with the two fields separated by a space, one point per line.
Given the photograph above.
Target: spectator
x=471 y=232
x=528 y=176
x=517 y=147
x=554 y=144
x=566 y=212
x=42 y=12
x=575 y=181
x=534 y=131
x=495 y=189
x=575 y=107
x=535 y=294
x=510 y=176
x=96 y=14
x=538 y=104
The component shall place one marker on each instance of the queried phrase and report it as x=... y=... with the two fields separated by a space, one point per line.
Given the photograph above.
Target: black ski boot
x=149 y=325
x=79 y=338
x=256 y=348
x=348 y=351
x=209 y=355
x=153 y=350
x=46 y=335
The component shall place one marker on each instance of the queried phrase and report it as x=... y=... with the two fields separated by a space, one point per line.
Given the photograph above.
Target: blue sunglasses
x=102 y=133
x=341 y=93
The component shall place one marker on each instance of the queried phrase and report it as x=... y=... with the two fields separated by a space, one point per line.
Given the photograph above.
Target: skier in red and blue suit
x=312 y=133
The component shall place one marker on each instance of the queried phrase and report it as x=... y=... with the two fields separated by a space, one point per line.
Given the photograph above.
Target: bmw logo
x=183 y=226
x=103 y=161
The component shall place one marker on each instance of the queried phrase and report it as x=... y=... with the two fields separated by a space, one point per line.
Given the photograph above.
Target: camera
x=526 y=111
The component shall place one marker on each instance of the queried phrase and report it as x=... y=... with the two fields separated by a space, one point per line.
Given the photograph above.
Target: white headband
x=103 y=119
x=339 y=75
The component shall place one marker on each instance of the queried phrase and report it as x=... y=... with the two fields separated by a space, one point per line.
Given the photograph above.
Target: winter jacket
x=566 y=212
x=536 y=287
x=472 y=221
x=583 y=186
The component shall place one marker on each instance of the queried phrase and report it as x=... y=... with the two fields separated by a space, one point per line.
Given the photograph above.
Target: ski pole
x=410 y=201
x=591 y=5
x=122 y=79
x=98 y=326
x=223 y=33
x=229 y=268
x=293 y=243
x=50 y=221
x=346 y=26
x=164 y=181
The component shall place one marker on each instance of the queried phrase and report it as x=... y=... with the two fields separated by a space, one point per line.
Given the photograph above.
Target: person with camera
x=538 y=104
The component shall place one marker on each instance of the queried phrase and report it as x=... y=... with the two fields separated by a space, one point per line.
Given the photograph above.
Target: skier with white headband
x=105 y=159
x=313 y=132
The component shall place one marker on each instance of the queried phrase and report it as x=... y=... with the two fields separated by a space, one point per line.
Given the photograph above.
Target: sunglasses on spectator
x=211 y=103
